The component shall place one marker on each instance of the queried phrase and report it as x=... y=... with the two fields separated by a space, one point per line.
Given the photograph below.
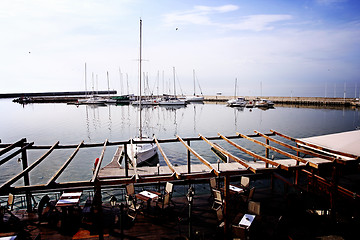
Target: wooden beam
x=57 y=174
x=296 y=148
x=171 y=167
x=4 y=160
x=97 y=169
x=28 y=169
x=299 y=159
x=254 y=154
x=340 y=189
x=198 y=156
x=223 y=151
x=317 y=147
x=14 y=145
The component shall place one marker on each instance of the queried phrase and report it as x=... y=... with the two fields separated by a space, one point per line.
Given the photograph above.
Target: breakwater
x=54 y=94
x=293 y=100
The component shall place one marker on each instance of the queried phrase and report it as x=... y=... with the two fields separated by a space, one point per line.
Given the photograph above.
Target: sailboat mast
x=85 y=82
x=235 y=87
x=174 y=82
x=194 y=80
x=140 y=59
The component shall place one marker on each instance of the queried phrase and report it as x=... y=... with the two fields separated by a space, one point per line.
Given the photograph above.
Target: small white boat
x=195 y=98
x=250 y=104
x=172 y=101
x=92 y=100
x=141 y=153
x=261 y=103
x=239 y=102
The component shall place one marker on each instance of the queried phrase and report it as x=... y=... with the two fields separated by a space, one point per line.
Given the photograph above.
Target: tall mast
x=194 y=80
x=140 y=59
x=174 y=82
x=85 y=82
x=235 y=87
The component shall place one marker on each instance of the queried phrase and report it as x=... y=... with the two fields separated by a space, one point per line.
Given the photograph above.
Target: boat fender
x=96 y=162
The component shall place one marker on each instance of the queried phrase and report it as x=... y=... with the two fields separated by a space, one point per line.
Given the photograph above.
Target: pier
x=314 y=166
x=72 y=97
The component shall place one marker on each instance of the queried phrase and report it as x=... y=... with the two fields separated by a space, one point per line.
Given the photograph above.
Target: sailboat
x=141 y=153
x=237 y=102
x=195 y=98
x=173 y=100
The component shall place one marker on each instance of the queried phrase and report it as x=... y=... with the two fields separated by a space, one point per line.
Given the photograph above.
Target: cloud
x=205 y=15
x=258 y=22
x=329 y=2
x=198 y=15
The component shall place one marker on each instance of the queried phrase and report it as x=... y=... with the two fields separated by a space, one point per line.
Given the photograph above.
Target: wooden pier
x=321 y=166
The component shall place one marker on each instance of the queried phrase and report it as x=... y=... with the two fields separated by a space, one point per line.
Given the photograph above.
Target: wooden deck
x=296 y=222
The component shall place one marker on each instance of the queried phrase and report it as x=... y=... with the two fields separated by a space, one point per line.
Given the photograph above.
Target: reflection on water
x=47 y=123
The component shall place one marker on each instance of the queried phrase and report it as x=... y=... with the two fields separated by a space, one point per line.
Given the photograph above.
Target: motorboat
x=250 y=104
x=239 y=102
x=261 y=103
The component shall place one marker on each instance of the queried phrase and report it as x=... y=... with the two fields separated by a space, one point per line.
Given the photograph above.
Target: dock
x=314 y=169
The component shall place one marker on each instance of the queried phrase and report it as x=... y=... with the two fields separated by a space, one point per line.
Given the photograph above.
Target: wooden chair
x=130 y=189
x=10 y=202
x=220 y=217
x=164 y=203
x=218 y=199
x=213 y=184
x=169 y=189
x=245 y=182
x=248 y=197
x=254 y=208
x=239 y=232
x=133 y=207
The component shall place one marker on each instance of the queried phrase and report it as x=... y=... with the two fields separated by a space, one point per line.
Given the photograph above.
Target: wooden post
x=267 y=153
x=26 y=178
x=98 y=209
x=226 y=198
x=126 y=161
x=188 y=158
x=333 y=189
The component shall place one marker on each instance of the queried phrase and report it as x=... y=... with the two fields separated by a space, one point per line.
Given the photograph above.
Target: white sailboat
x=237 y=102
x=141 y=153
x=195 y=98
x=173 y=100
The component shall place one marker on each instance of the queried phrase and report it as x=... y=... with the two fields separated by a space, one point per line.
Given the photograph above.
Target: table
x=234 y=189
x=69 y=199
x=67 y=202
x=247 y=220
x=148 y=196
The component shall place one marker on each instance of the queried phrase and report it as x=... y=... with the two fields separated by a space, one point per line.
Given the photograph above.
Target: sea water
x=45 y=124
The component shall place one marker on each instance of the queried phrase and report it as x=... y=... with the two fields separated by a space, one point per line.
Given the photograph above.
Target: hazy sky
x=272 y=47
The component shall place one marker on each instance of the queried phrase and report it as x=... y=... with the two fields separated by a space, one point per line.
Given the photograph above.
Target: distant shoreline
x=57 y=97
x=54 y=94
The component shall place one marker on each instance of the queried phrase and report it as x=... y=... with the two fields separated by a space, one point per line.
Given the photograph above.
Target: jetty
x=318 y=179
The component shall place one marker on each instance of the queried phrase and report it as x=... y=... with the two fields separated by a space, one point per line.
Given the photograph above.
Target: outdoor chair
x=218 y=199
x=47 y=212
x=220 y=217
x=254 y=208
x=248 y=197
x=133 y=207
x=164 y=203
x=130 y=189
x=245 y=182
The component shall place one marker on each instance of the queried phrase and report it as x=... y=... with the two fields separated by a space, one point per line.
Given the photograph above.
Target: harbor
x=316 y=179
x=71 y=99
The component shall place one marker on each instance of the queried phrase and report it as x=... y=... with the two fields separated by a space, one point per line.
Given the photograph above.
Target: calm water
x=45 y=124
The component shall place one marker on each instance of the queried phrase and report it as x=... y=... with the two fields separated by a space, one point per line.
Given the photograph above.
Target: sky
x=268 y=47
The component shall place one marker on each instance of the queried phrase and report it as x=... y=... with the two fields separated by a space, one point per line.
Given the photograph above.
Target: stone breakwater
x=294 y=100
